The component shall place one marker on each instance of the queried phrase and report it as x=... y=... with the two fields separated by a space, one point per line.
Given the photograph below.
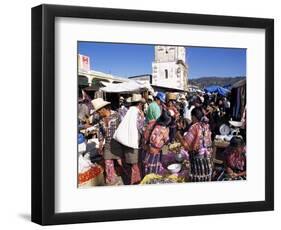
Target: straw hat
x=137 y=98
x=150 y=97
x=171 y=96
x=182 y=97
x=99 y=103
x=129 y=100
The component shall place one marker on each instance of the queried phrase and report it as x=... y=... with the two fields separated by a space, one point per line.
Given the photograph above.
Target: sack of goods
x=127 y=132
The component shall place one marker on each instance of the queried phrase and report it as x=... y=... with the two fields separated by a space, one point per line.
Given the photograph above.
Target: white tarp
x=125 y=87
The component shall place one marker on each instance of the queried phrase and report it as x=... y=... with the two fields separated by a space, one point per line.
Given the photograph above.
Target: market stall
x=113 y=91
x=238 y=99
x=222 y=141
x=217 y=89
x=90 y=170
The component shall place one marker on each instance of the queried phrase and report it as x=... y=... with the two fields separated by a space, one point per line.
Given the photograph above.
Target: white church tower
x=169 y=68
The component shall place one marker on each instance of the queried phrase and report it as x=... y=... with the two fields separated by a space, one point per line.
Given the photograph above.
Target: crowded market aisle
x=161 y=138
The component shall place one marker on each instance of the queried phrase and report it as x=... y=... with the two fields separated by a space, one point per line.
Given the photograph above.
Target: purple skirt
x=152 y=163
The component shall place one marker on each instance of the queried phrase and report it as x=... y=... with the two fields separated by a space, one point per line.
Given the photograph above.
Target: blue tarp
x=217 y=89
x=228 y=86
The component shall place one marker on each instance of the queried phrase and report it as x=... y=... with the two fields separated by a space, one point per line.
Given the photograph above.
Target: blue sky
x=130 y=59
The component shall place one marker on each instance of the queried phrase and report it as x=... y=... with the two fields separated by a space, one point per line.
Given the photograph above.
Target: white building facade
x=169 y=68
x=87 y=75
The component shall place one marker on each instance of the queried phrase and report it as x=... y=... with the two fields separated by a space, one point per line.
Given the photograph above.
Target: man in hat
x=148 y=102
x=130 y=138
x=149 y=99
x=121 y=100
x=154 y=109
x=110 y=120
x=124 y=105
x=175 y=115
x=187 y=110
x=181 y=104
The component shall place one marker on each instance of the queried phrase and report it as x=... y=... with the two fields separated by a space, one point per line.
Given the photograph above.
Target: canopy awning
x=217 y=89
x=126 y=87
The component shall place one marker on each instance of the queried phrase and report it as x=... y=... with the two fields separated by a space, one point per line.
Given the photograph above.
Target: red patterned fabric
x=148 y=130
x=155 y=135
x=236 y=158
x=111 y=176
x=156 y=139
x=159 y=136
x=135 y=176
x=198 y=136
x=173 y=112
x=108 y=126
x=89 y=174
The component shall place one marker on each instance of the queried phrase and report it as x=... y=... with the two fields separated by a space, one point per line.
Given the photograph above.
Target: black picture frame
x=43 y=114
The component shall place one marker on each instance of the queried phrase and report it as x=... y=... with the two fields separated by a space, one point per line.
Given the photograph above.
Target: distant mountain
x=207 y=81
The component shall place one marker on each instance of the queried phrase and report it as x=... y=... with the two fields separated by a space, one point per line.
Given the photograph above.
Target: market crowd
x=133 y=138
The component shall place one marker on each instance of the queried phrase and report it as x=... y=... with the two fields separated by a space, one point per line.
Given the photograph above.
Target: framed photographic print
x=144 y=114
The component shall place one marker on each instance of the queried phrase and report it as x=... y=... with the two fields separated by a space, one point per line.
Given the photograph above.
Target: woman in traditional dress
x=197 y=141
x=156 y=135
x=235 y=159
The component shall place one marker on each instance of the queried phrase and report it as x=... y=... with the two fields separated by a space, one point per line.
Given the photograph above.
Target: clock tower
x=169 y=68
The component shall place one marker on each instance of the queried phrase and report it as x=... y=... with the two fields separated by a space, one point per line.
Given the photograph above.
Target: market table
x=165 y=176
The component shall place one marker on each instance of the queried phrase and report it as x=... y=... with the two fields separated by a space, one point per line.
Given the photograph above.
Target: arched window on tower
x=166 y=73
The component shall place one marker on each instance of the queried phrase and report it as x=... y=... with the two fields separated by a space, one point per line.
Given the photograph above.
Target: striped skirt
x=201 y=168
